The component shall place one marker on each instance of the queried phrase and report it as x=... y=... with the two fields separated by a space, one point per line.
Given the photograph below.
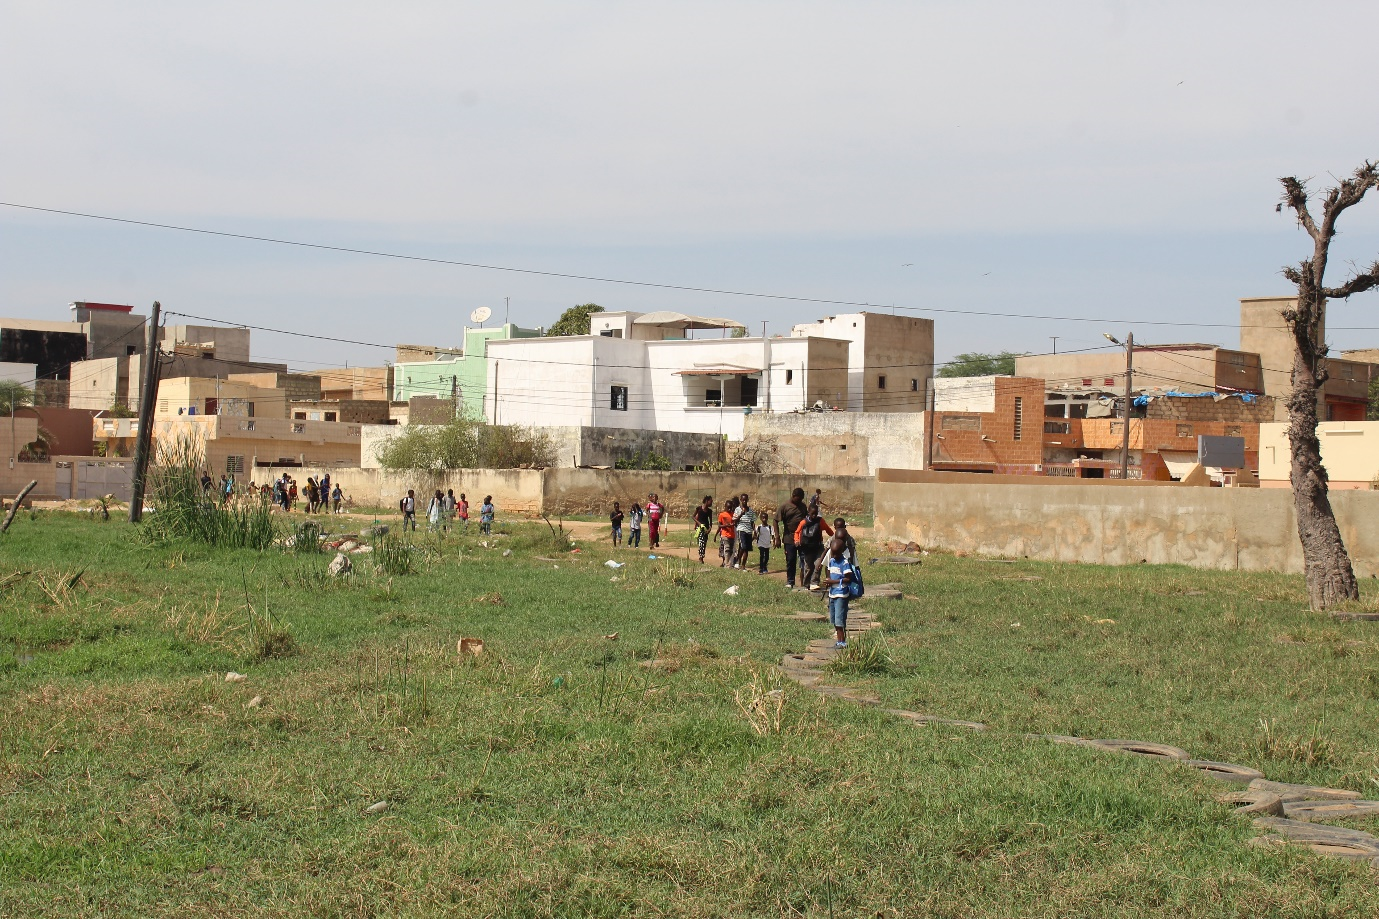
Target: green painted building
x=464 y=377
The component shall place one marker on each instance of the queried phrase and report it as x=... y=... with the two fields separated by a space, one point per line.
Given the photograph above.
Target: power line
x=622 y=281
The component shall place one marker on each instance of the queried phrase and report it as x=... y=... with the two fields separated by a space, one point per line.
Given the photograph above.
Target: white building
x=890 y=358
x=640 y=371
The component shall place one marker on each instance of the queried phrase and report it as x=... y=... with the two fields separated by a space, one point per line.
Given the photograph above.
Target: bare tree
x=1330 y=577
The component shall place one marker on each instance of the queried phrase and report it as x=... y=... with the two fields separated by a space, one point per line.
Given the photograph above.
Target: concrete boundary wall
x=570 y=492
x=1242 y=529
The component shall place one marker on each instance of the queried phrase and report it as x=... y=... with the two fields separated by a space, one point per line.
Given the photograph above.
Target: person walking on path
x=615 y=520
x=450 y=506
x=408 y=506
x=435 y=512
x=788 y=516
x=766 y=538
x=634 y=521
x=839 y=576
x=703 y=523
x=462 y=508
x=745 y=523
x=727 y=532
x=809 y=539
x=337 y=497
x=486 y=514
x=654 y=512
x=840 y=529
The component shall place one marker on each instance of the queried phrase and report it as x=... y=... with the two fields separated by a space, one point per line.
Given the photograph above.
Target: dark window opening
x=749 y=391
x=789 y=377
x=618 y=399
x=914 y=386
x=130 y=350
x=881 y=381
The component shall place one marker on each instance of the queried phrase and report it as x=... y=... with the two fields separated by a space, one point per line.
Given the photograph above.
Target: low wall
x=592 y=491
x=842 y=443
x=568 y=492
x=1245 y=529
x=514 y=490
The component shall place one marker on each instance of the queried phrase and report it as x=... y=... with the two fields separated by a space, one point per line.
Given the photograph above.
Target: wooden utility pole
x=1125 y=434
x=147 y=400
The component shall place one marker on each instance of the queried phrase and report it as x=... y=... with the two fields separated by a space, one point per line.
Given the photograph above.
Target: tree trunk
x=1330 y=577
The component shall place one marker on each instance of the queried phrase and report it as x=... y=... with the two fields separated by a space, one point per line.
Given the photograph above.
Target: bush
x=648 y=460
x=467 y=444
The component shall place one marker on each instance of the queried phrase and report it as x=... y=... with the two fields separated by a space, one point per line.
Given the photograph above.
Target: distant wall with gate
x=1115 y=523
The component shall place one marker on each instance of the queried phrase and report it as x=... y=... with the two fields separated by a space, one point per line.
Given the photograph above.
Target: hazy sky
x=1104 y=160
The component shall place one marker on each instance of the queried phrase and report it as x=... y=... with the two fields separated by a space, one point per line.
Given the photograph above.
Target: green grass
x=557 y=775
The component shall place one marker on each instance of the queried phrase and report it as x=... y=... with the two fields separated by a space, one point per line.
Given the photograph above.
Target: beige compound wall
x=1231 y=529
x=572 y=492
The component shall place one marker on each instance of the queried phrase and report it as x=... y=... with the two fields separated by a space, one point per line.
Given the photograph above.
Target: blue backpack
x=855 y=586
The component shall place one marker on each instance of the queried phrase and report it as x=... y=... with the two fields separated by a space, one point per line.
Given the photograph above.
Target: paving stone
x=1290 y=793
x=1329 y=810
x=1144 y=748
x=918 y=718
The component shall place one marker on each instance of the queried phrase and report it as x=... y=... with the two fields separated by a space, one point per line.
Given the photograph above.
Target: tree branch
x=1348 y=194
x=1356 y=285
x=1295 y=196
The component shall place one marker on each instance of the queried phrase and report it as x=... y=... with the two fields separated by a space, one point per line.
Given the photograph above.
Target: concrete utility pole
x=1125 y=430
x=144 y=444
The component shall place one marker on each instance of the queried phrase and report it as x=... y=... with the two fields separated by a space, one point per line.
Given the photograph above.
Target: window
x=618 y=399
x=300 y=416
x=789 y=377
x=162 y=405
x=332 y=416
x=1019 y=416
x=298 y=428
x=1086 y=382
x=206 y=356
x=1056 y=427
x=248 y=425
x=749 y=391
x=914 y=386
x=842 y=446
x=713 y=397
x=1108 y=381
x=131 y=350
x=234 y=465
x=1184 y=430
x=1232 y=430
x=881 y=381
x=611 y=333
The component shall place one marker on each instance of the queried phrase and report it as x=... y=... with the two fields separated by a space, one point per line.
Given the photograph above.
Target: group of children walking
x=444 y=509
x=799 y=527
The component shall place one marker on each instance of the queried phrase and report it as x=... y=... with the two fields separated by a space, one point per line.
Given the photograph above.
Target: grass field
x=557 y=775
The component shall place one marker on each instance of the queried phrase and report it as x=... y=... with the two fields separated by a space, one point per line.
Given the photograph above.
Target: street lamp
x=1129 y=346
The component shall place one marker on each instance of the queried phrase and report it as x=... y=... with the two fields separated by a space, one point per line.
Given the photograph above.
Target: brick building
x=987 y=424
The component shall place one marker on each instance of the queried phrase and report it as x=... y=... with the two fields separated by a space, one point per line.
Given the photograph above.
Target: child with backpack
x=843 y=584
x=809 y=537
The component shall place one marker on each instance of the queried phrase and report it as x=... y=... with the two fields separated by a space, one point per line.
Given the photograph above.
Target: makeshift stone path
x=1288 y=814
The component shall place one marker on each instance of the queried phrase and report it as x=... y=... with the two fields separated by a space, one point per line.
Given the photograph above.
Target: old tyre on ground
x=1144 y=748
x=1226 y=772
x=1254 y=802
x=1066 y=739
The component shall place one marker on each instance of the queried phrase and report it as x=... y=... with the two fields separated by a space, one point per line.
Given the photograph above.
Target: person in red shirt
x=809 y=538
x=727 y=532
x=654 y=512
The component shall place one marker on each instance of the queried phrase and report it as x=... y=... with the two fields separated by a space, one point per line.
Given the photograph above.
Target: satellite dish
x=480 y=314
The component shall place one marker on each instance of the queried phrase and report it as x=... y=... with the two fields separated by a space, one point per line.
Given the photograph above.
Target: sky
x=1114 y=164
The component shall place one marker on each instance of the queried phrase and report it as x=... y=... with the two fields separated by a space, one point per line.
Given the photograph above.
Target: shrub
x=183 y=510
